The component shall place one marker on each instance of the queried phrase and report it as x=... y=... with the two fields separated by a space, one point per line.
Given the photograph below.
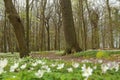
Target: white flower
x=15 y=66
x=44 y=67
x=39 y=61
x=40 y=73
x=60 y=66
x=113 y=65
x=53 y=65
x=34 y=64
x=23 y=66
x=86 y=71
x=83 y=67
x=104 y=68
x=116 y=67
x=69 y=69
x=95 y=67
x=75 y=65
x=47 y=69
x=43 y=63
x=1 y=70
x=3 y=63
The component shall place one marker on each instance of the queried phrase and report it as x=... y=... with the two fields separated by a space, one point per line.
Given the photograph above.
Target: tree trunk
x=5 y=36
x=27 y=23
x=42 y=21
x=83 y=27
x=111 y=44
x=94 y=17
x=69 y=29
x=18 y=27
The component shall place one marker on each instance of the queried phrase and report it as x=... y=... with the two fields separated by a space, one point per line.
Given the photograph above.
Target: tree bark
x=69 y=29
x=18 y=27
x=111 y=43
x=27 y=23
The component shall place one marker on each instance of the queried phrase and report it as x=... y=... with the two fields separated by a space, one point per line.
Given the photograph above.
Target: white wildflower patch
x=13 y=67
x=50 y=69
x=53 y=65
x=60 y=66
x=70 y=69
x=34 y=64
x=46 y=68
x=40 y=73
x=104 y=68
x=3 y=63
x=86 y=71
x=75 y=65
x=1 y=70
x=23 y=66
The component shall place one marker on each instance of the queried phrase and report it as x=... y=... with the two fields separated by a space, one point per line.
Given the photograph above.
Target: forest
x=59 y=39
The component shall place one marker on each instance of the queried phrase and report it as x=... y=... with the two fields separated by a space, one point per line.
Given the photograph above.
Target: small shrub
x=102 y=54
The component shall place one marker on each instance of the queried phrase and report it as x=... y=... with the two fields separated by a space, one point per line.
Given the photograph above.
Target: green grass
x=6 y=55
x=93 y=53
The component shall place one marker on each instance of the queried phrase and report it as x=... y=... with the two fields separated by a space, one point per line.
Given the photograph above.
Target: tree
x=18 y=27
x=111 y=45
x=42 y=22
x=94 y=18
x=69 y=29
x=27 y=23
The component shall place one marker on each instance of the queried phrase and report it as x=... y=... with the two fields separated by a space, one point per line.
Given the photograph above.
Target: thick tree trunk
x=18 y=27
x=69 y=29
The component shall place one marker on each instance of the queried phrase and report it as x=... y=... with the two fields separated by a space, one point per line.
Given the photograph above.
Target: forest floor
x=54 y=56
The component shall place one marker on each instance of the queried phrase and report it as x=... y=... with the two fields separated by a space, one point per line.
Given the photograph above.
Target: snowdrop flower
x=23 y=66
x=86 y=71
x=3 y=63
x=60 y=66
x=69 y=69
x=75 y=65
x=40 y=73
x=15 y=66
x=1 y=70
x=104 y=68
